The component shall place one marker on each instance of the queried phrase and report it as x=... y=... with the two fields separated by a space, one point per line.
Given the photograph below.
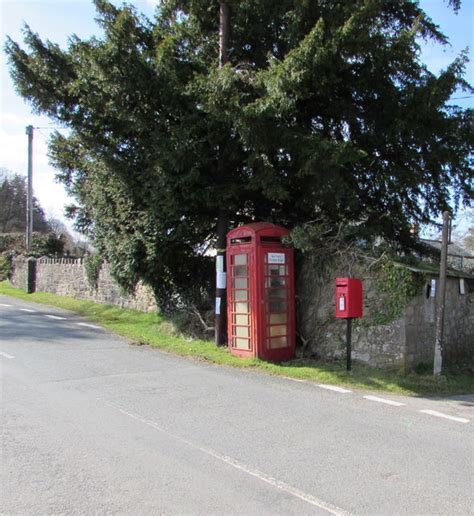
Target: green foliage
x=397 y=286
x=43 y=244
x=5 y=267
x=12 y=242
x=13 y=194
x=324 y=110
x=92 y=265
x=47 y=244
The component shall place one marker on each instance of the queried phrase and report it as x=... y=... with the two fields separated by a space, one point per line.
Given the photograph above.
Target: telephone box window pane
x=277 y=306
x=240 y=270
x=242 y=343
x=278 y=318
x=278 y=330
x=241 y=308
x=278 y=342
x=241 y=295
x=277 y=293
x=273 y=270
x=240 y=259
x=277 y=270
x=276 y=282
x=241 y=283
x=242 y=331
x=241 y=319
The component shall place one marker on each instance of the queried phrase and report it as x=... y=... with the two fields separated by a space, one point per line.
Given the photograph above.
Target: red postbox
x=260 y=293
x=348 y=298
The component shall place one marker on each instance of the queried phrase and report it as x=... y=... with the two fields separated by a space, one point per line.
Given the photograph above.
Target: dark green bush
x=92 y=265
x=5 y=267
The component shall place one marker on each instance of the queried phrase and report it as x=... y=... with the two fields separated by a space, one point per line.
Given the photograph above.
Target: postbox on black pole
x=349 y=306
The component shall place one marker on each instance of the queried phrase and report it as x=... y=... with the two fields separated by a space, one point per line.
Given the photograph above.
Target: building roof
x=454 y=249
x=433 y=269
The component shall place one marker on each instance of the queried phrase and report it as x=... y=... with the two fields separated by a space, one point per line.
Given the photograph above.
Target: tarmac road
x=93 y=424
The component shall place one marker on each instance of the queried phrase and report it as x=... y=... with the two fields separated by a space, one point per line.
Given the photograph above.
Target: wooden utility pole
x=438 y=352
x=29 y=199
x=223 y=217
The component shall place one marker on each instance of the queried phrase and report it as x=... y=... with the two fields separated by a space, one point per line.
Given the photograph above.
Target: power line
x=460 y=98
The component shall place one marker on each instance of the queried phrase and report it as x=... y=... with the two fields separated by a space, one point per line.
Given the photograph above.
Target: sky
x=57 y=20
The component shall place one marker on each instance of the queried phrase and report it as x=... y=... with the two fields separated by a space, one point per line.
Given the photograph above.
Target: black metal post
x=220 y=332
x=31 y=275
x=349 y=343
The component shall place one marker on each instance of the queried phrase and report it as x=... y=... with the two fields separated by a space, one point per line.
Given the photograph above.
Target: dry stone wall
x=325 y=336
x=67 y=277
x=400 y=344
x=19 y=274
x=420 y=321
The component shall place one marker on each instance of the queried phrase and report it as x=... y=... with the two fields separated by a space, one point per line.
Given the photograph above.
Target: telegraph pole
x=29 y=199
x=220 y=332
x=438 y=357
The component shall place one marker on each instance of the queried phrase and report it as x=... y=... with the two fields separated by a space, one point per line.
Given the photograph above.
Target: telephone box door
x=278 y=309
x=240 y=306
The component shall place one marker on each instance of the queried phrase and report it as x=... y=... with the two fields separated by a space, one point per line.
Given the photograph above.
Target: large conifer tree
x=323 y=110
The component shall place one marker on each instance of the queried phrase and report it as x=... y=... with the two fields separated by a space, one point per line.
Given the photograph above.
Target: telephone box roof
x=257 y=228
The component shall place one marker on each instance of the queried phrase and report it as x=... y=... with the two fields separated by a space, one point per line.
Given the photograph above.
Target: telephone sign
x=276 y=258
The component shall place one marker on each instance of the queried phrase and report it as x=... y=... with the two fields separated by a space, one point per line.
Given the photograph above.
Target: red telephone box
x=260 y=293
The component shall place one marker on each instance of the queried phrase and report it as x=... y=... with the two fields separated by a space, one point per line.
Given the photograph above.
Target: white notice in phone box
x=276 y=258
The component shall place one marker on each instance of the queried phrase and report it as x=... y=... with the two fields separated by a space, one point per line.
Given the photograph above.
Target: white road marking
x=6 y=355
x=445 y=416
x=382 y=400
x=333 y=388
x=89 y=325
x=3 y=304
x=283 y=486
x=55 y=317
x=28 y=310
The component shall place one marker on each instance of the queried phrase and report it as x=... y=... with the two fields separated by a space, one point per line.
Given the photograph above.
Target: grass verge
x=154 y=330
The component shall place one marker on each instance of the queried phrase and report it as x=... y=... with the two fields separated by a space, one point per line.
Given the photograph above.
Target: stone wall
x=402 y=343
x=19 y=273
x=324 y=336
x=420 y=320
x=67 y=277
